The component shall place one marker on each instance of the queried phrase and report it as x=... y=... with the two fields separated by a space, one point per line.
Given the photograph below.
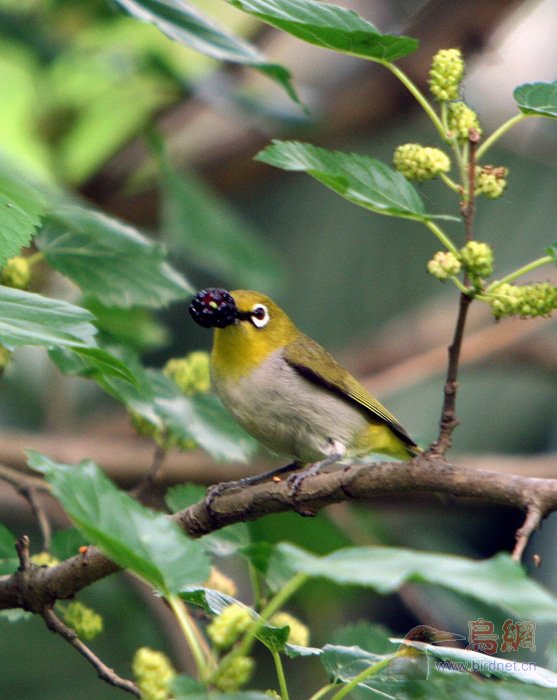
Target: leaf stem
x=35 y=258
x=190 y=633
x=280 y=675
x=486 y=145
x=419 y=96
x=255 y=586
x=524 y=270
x=323 y=691
x=441 y=235
x=366 y=673
x=450 y=183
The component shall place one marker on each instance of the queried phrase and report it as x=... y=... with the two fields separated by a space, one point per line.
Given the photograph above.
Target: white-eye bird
x=287 y=391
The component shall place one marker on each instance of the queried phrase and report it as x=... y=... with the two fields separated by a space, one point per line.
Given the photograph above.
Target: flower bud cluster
x=86 y=622
x=218 y=581
x=16 y=273
x=227 y=627
x=525 y=300
x=478 y=259
x=444 y=265
x=461 y=119
x=235 y=674
x=445 y=75
x=153 y=672
x=491 y=181
x=420 y=163
x=191 y=373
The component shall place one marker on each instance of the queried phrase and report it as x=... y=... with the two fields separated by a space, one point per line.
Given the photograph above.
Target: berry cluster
x=525 y=300
x=461 y=119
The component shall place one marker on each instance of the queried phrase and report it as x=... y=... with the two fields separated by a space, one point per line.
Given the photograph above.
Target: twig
x=28 y=486
x=22 y=549
x=448 y=421
x=148 y=482
x=532 y=521
x=105 y=673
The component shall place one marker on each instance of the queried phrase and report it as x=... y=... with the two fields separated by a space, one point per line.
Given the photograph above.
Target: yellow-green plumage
x=292 y=395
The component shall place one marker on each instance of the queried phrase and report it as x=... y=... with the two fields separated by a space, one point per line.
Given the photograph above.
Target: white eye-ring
x=260 y=316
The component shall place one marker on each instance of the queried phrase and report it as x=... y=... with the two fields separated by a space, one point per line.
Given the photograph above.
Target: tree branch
x=38 y=587
x=105 y=673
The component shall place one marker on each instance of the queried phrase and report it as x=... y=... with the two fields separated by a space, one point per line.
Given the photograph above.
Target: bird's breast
x=287 y=413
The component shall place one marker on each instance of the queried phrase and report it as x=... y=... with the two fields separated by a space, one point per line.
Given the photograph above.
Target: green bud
x=191 y=373
x=445 y=75
x=299 y=633
x=478 y=259
x=228 y=627
x=235 y=674
x=153 y=672
x=420 y=163
x=461 y=119
x=16 y=273
x=86 y=622
x=491 y=181
x=444 y=265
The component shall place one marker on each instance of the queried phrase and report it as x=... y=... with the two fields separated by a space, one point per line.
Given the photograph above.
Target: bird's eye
x=260 y=316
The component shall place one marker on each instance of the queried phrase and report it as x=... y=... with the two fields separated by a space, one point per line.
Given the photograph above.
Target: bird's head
x=248 y=326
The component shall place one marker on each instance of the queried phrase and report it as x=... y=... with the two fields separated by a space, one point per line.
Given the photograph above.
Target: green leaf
x=386 y=569
x=110 y=261
x=345 y=663
x=214 y=603
x=94 y=363
x=488 y=665
x=374 y=638
x=204 y=419
x=31 y=319
x=186 y=25
x=552 y=251
x=360 y=179
x=66 y=543
x=183 y=496
x=7 y=542
x=137 y=328
x=136 y=538
x=205 y=231
x=537 y=98
x=21 y=207
x=329 y=26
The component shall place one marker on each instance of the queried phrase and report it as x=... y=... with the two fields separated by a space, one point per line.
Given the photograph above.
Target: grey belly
x=287 y=413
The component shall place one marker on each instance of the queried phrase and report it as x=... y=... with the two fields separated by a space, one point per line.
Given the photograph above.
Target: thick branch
x=36 y=588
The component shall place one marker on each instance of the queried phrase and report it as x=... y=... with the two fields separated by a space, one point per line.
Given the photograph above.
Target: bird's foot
x=219 y=489
x=296 y=481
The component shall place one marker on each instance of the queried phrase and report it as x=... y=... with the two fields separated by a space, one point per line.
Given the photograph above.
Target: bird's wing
x=304 y=354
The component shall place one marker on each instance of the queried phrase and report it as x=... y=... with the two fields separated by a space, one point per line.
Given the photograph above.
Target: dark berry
x=213 y=308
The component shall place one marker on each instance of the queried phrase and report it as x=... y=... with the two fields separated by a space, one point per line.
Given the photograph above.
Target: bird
x=288 y=392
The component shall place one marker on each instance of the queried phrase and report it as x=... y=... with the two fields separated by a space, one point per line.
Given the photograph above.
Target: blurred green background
x=80 y=83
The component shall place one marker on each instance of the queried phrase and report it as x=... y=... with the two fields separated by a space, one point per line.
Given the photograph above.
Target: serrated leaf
x=537 y=98
x=205 y=231
x=386 y=569
x=31 y=319
x=109 y=260
x=21 y=207
x=136 y=538
x=329 y=26
x=94 y=363
x=487 y=665
x=362 y=180
x=186 y=25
